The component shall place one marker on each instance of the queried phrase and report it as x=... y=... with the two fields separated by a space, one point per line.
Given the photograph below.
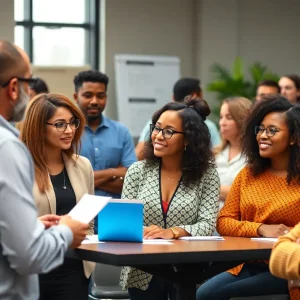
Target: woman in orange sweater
x=264 y=198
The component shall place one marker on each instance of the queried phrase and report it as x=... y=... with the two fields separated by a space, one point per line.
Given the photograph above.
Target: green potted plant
x=229 y=83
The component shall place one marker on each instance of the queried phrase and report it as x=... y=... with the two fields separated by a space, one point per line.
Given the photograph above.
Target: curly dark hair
x=198 y=156
x=89 y=76
x=250 y=149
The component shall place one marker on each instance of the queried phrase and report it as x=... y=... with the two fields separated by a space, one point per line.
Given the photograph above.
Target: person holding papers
x=178 y=184
x=264 y=198
x=52 y=130
x=26 y=247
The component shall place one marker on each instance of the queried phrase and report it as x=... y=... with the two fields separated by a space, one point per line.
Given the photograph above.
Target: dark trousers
x=158 y=289
x=254 y=279
x=65 y=283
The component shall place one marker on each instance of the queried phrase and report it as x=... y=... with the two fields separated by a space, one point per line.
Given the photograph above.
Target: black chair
x=105 y=283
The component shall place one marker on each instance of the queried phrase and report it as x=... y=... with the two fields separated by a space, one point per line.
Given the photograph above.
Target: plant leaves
x=233 y=83
x=238 y=69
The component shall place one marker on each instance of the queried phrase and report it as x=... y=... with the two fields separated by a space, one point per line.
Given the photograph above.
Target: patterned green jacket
x=193 y=208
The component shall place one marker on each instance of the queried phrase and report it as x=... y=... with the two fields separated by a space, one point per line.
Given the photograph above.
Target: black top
x=65 y=197
x=65 y=201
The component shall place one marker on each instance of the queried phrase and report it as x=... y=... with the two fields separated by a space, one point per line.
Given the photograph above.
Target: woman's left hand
x=155 y=232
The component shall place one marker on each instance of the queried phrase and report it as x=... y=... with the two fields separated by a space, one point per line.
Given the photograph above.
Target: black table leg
x=186 y=292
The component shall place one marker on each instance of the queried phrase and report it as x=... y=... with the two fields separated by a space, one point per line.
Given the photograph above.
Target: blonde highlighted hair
x=33 y=131
x=239 y=108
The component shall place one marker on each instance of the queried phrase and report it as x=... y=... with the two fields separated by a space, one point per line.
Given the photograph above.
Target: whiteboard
x=143 y=85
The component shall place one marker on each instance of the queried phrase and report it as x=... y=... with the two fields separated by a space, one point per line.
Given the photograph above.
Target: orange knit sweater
x=252 y=201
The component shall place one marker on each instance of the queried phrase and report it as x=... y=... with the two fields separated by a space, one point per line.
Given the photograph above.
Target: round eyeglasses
x=270 y=131
x=62 y=126
x=167 y=133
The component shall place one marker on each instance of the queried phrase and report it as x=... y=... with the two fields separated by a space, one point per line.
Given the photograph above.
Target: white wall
x=217 y=38
x=269 y=32
x=200 y=32
x=152 y=27
x=7 y=20
x=258 y=30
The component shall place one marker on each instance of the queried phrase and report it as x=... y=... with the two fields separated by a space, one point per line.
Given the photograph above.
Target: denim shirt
x=109 y=146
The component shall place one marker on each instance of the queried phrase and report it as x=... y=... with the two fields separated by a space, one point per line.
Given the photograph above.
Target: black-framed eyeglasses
x=270 y=131
x=29 y=80
x=62 y=126
x=167 y=133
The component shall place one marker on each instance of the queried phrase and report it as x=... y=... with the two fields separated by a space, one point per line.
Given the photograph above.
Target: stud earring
x=185 y=148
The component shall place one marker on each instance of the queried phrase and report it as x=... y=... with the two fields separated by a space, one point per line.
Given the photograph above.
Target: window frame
x=92 y=47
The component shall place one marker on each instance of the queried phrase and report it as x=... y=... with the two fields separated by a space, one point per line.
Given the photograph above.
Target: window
x=59 y=32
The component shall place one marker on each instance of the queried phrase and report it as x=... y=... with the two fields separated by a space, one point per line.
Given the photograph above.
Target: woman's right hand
x=49 y=220
x=272 y=231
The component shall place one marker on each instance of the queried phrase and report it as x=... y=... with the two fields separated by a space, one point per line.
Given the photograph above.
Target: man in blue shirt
x=106 y=143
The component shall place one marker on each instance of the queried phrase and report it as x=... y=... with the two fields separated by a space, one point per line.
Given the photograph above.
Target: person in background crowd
x=229 y=159
x=178 y=184
x=26 y=247
x=267 y=88
x=290 y=88
x=62 y=177
x=264 y=198
x=38 y=86
x=182 y=88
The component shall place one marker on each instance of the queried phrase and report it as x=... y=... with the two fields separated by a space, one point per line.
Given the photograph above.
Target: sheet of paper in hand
x=88 y=207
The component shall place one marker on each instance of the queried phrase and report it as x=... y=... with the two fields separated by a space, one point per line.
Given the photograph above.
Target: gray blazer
x=193 y=208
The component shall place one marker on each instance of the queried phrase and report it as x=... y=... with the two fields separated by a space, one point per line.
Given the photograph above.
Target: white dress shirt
x=228 y=170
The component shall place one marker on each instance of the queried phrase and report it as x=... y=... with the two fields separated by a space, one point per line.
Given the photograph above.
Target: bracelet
x=114 y=172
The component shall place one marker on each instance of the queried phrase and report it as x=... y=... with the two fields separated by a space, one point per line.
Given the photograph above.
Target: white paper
x=156 y=242
x=88 y=207
x=85 y=242
x=265 y=239
x=202 y=238
x=93 y=238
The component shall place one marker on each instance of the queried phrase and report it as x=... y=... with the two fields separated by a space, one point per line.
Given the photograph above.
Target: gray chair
x=269 y=297
x=105 y=283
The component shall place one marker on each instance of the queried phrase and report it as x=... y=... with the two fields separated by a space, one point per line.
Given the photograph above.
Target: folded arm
x=110 y=180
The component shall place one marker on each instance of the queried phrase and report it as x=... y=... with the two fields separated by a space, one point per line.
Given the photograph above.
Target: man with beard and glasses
x=106 y=143
x=26 y=248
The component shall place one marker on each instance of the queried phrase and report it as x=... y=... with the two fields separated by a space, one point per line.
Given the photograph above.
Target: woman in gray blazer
x=179 y=186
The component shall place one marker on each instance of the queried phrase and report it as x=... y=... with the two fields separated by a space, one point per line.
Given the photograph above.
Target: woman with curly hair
x=178 y=184
x=264 y=198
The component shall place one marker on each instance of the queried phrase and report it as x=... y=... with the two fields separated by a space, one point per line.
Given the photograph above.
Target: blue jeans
x=254 y=279
x=159 y=289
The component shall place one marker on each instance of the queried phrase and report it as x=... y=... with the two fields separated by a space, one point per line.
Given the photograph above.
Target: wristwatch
x=175 y=233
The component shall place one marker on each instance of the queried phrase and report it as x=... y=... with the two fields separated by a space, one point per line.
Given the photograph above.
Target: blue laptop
x=121 y=220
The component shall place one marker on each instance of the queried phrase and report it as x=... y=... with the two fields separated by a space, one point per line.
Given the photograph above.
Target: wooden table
x=185 y=263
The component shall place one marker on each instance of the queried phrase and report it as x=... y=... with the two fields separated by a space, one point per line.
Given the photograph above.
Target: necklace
x=64 y=179
x=53 y=177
